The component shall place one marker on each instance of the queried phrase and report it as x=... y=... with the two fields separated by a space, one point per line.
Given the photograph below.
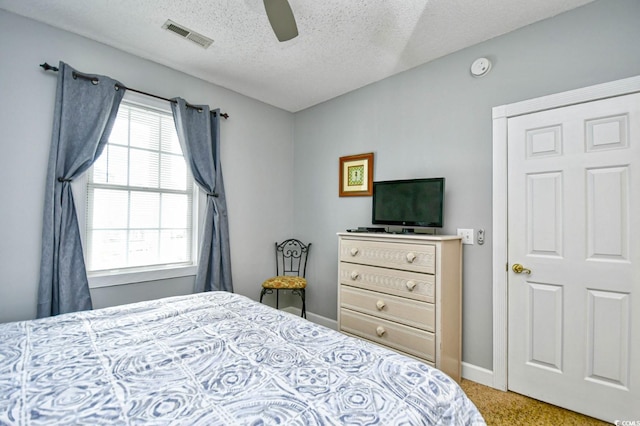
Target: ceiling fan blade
x=281 y=19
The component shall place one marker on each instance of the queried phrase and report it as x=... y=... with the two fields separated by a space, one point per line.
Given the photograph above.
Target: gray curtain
x=85 y=110
x=199 y=135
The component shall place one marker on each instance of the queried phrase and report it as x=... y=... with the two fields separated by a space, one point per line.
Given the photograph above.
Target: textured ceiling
x=343 y=44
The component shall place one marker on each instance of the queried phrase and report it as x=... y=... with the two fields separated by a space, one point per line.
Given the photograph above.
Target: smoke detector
x=185 y=32
x=480 y=67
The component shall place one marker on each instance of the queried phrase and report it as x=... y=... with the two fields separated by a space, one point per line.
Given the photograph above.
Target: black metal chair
x=291 y=267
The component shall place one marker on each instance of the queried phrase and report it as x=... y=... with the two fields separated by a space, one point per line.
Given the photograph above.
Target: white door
x=574 y=222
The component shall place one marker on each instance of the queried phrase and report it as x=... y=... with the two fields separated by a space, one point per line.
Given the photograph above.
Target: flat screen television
x=409 y=203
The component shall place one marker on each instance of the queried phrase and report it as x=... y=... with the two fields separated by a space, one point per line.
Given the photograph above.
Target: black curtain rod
x=95 y=80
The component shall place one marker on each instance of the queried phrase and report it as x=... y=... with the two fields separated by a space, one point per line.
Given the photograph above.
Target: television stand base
x=367 y=229
x=418 y=231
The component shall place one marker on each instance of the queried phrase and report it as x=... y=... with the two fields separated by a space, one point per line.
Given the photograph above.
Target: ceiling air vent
x=184 y=32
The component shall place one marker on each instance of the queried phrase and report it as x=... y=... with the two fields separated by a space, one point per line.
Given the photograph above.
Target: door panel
x=607 y=213
x=573 y=205
x=545 y=326
x=608 y=338
x=544 y=210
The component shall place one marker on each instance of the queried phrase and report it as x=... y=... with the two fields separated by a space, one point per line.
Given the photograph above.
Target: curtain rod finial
x=48 y=67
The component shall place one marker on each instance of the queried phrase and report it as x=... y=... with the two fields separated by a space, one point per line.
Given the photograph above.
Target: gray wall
x=256 y=140
x=435 y=120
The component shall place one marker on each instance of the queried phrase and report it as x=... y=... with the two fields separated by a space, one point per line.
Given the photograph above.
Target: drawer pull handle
x=411 y=285
x=354 y=275
x=354 y=251
x=380 y=305
x=411 y=257
x=380 y=331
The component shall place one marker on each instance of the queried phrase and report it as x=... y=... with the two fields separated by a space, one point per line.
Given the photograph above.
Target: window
x=139 y=196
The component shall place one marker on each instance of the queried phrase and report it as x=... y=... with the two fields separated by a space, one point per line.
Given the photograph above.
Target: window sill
x=113 y=278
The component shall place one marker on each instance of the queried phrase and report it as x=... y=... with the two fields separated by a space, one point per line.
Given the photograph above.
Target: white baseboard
x=477 y=374
x=315 y=318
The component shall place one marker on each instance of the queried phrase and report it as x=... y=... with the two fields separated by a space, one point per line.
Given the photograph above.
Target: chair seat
x=285 y=282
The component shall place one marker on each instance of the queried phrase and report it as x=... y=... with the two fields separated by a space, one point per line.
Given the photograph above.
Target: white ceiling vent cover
x=184 y=32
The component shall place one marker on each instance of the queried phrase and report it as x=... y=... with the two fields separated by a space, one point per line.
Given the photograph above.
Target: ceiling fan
x=281 y=19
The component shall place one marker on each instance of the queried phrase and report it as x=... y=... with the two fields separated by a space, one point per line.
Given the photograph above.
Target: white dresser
x=403 y=292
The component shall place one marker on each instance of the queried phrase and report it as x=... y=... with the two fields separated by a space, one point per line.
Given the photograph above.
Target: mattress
x=214 y=358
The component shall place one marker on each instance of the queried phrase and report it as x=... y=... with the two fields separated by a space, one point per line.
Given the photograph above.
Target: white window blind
x=139 y=196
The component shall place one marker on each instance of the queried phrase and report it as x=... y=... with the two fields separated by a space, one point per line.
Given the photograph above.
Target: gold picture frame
x=356 y=175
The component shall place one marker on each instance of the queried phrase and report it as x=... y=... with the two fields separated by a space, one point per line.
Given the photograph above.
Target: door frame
x=501 y=114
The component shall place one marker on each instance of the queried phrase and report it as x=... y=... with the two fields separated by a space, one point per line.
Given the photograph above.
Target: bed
x=213 y=358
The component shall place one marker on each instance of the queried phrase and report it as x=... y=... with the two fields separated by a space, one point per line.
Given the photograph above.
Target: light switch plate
x=467 y=236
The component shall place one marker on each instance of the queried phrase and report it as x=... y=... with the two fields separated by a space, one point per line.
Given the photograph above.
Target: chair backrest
x=291 y=257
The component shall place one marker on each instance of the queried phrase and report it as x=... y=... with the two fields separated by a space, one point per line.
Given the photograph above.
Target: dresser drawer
x=399 y=283
x=410 y=257
x=406 y=311
x=407 y=339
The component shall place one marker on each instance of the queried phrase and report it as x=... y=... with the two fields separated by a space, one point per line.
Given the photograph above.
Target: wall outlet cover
x=467 y=236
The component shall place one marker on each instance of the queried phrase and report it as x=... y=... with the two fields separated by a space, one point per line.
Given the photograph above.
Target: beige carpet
x=508 y=408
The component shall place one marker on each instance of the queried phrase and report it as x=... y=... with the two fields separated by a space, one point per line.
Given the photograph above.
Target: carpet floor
x=508 y=408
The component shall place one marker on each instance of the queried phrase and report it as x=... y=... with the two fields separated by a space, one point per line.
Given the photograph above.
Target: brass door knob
x=519 y=269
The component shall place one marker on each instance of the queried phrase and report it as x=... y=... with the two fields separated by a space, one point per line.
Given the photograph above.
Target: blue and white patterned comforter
x=212 y=359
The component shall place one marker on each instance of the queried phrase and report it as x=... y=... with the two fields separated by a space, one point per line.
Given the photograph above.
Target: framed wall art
x=356 y=175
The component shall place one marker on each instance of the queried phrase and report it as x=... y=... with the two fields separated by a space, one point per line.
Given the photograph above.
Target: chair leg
x=302 y=295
